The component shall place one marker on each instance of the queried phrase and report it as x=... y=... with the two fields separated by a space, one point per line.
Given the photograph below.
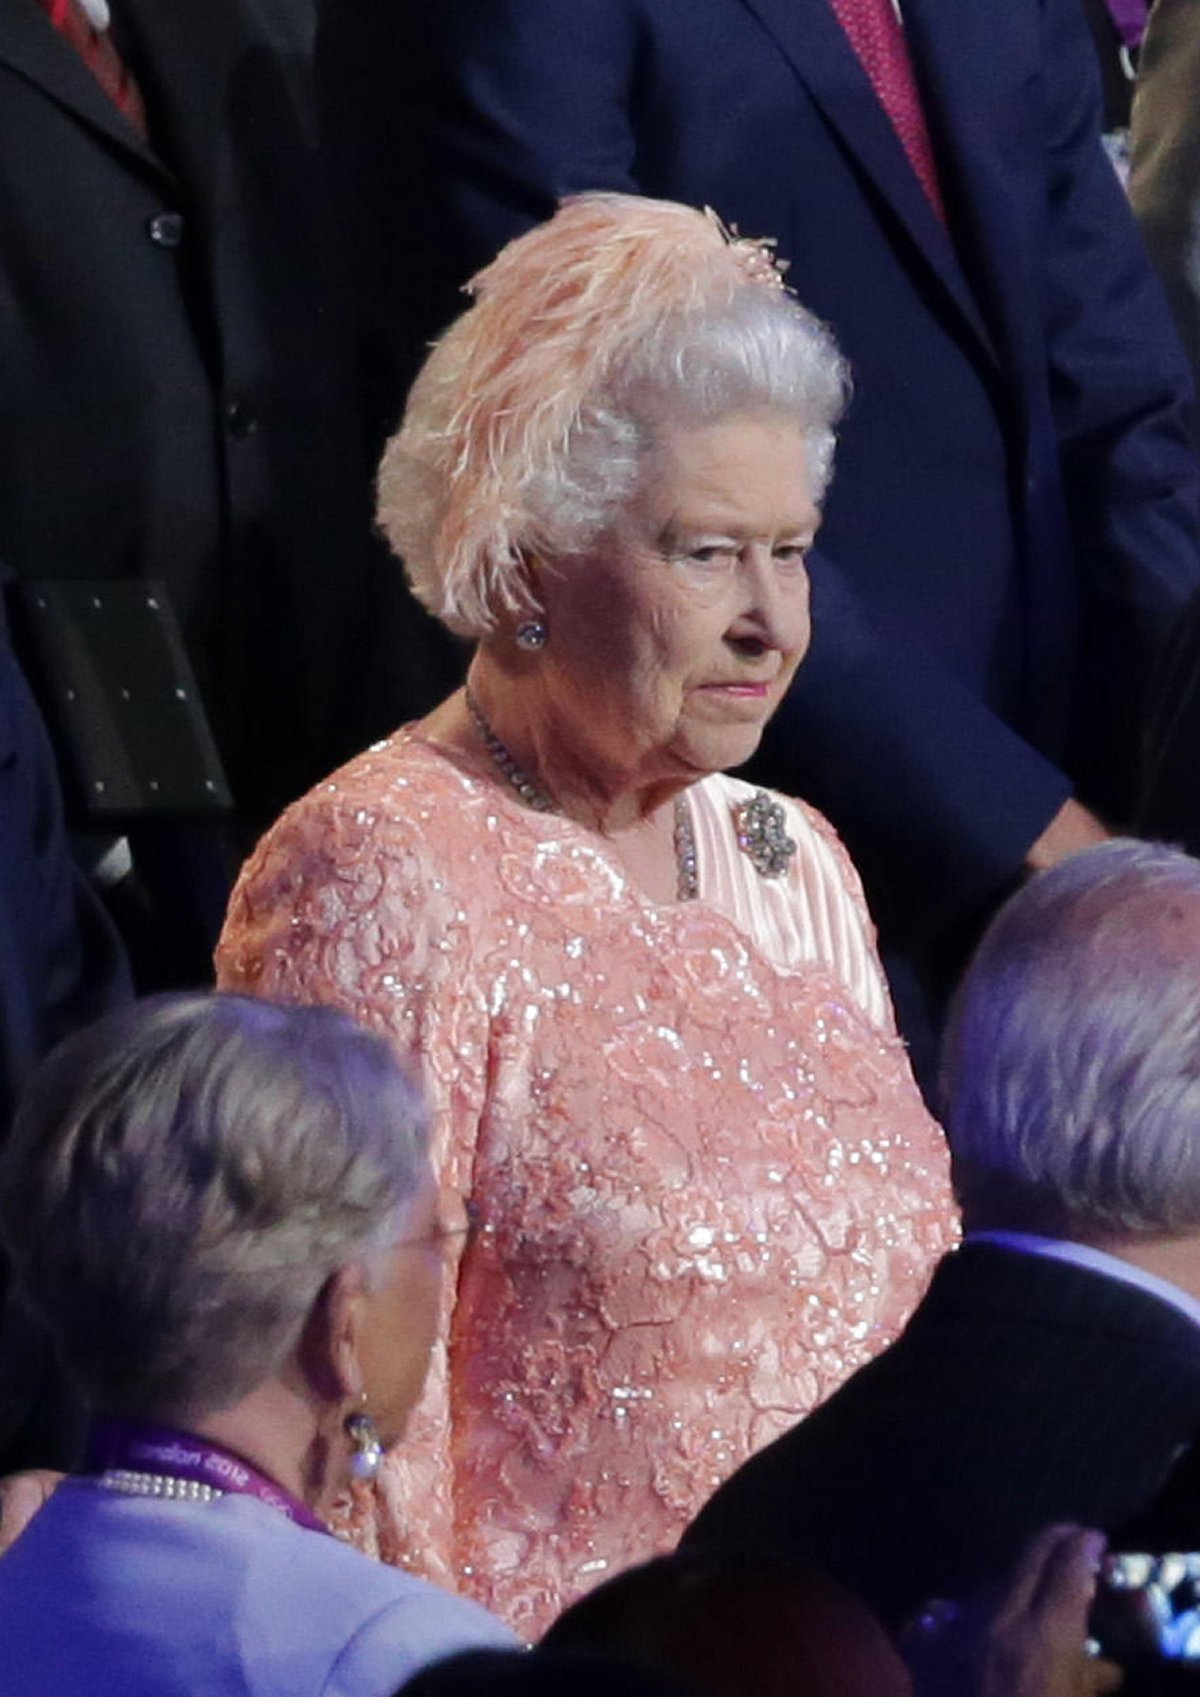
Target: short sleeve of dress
x=342 y=904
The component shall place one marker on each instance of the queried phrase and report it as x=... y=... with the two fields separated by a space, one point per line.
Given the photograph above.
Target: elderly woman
x=645 y=997
x=224 y=1212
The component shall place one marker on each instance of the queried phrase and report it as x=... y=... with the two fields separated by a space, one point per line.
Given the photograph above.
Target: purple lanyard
x=1129 y=16
x=139 y=1448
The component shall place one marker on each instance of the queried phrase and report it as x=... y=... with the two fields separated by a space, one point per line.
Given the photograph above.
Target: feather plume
x=557 y=317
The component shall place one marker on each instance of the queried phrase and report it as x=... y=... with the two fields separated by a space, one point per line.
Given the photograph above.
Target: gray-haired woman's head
x=184 y=1176
x=527 y=430
x=1071 y=1071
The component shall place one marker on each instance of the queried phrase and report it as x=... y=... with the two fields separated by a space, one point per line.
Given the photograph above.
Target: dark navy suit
x=60 y=967
x=60 y=963
x=1012 y=524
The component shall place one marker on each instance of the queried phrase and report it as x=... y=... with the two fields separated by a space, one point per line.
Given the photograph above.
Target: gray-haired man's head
x=1071 y=1070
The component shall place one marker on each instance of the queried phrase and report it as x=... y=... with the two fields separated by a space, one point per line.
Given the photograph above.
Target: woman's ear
x=330 y=1348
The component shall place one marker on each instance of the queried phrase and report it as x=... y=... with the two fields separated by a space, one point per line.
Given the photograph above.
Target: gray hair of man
x=184 y=1176
x=1071 y=1068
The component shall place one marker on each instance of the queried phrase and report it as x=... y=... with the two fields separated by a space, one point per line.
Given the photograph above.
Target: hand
x=1024 y=1639
x=1034 y=1645
x=1072 y=828
x=21 y=1495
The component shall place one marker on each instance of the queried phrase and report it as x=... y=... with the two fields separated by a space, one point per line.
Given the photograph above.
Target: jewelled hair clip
x=755 y=254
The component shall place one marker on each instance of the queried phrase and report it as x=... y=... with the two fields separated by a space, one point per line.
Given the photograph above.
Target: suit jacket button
x=240 y=419
x=165 y=229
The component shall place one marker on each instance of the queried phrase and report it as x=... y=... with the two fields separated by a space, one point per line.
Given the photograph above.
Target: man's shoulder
x=1006 y=1358
x=1056 y=1285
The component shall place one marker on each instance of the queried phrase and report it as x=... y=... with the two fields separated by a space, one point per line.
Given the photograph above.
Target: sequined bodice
x=707 y=1186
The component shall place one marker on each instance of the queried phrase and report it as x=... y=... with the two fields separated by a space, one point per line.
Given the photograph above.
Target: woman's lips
x=742 y=691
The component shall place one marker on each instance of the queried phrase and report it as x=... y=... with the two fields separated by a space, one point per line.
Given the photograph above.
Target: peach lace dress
x=707 y=1187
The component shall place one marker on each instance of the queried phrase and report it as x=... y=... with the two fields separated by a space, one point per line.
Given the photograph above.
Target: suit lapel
x=815 y=45
x=186 y=57
x=963 y=101
x=212 y=70
x=30 y=46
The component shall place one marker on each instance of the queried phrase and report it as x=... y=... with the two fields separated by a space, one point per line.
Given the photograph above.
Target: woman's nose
x=774 y=610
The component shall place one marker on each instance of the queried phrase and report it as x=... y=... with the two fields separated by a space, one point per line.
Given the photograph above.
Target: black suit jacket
x=1023 y=1391
x=178 y=369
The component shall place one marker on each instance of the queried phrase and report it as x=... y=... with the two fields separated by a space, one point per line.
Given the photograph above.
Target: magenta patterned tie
x=877 y=37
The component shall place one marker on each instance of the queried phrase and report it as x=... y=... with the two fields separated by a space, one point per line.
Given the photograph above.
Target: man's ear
x=329 y=1351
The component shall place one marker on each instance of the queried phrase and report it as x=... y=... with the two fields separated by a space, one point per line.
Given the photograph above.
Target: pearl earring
x=367 y=1452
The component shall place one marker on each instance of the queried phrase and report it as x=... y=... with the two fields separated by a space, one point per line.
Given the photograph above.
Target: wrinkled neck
x=594 y=773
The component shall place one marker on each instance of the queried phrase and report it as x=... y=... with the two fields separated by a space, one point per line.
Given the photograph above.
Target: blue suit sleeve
x=970 y=796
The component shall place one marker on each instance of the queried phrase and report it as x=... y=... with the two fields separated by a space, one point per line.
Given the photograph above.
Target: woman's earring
x=367 y=1452
x=532 y=635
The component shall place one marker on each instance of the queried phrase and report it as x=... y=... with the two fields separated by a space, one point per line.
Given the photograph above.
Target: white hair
x=184 y=1176
x=1071 y=1069
x=527 y=429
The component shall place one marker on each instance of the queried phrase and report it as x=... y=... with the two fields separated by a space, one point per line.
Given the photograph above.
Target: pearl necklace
x=144 y=1459
x=133 y=1484
x=687 y=879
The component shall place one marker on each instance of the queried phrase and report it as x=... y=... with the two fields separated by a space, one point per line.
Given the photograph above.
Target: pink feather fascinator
x=558 y=318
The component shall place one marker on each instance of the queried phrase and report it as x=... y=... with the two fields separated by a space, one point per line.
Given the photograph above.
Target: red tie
x=96 y=50
x=877 y=36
